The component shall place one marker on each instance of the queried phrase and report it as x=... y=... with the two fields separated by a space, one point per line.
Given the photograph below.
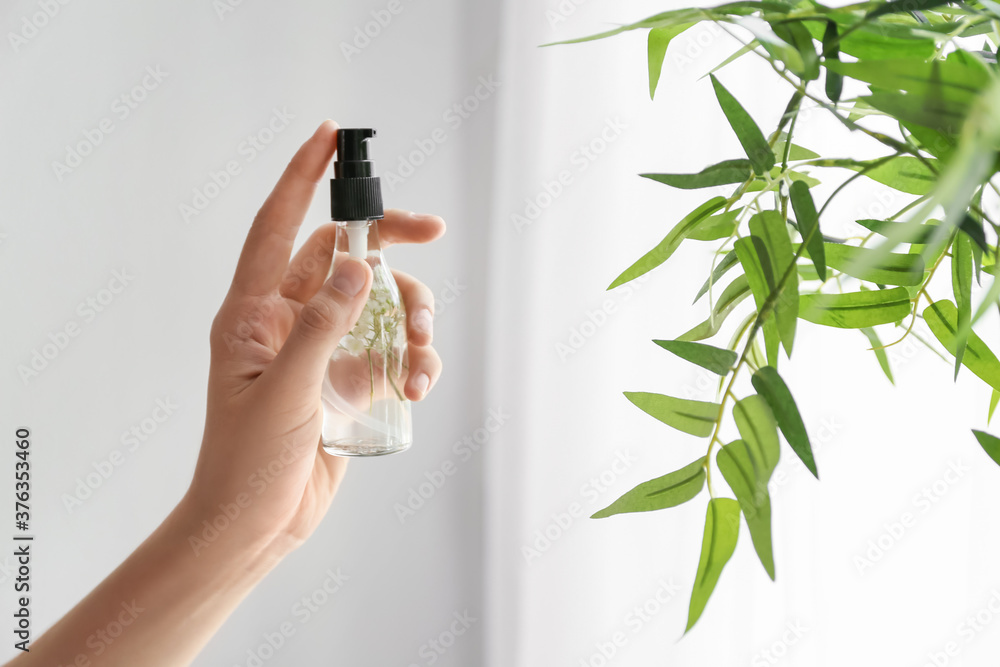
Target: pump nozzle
x=352 y=154
x=355 y=191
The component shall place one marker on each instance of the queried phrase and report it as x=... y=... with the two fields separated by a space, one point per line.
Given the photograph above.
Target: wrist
x=223 y=531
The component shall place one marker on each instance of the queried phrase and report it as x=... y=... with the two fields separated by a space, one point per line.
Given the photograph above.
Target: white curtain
x=880 y=563
x=534 y=169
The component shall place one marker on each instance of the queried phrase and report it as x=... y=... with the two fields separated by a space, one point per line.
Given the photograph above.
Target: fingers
x=406 y=227
x=310 y=266
x=311 y=263
x=418 y=301
x=269 y=243
x=322 y=322
x=424 y=368
x=423 y=362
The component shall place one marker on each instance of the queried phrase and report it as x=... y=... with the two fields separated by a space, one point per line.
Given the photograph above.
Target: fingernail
x=424 y=321
x=349 y=277
x=422 y=216
x=421 y=383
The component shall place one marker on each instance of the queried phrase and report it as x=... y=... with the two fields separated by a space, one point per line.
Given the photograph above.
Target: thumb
x=321 y=323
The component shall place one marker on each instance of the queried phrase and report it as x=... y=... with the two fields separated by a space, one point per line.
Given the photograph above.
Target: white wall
x=119 y=210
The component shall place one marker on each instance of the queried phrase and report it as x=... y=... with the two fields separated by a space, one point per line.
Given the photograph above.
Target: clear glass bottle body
x=364 y=410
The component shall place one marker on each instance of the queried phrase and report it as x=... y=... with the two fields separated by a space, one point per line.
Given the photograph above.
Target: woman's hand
x=262 y=483
x=261 y=475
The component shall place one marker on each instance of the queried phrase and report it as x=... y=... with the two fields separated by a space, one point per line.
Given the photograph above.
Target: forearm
x=163 y=604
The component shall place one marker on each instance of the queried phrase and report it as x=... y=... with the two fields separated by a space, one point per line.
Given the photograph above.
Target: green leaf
x=942 y=318
x=731 y=297
x=854 y=310
x=898 y=6
x=770 y=227
x=738 y=53
x=860 y=109
x=669 y=490
x=729 y=261
x=933 y=250
x=954 y=80
x=755 y=355
x=776 y=175
x=876 y=266
x=750 y=136
x=973 y=228
x=938 y=114
x=938 y=144
x=994 y=399
x=807 y=272
x=707 y=356
x=677 y=16
x=961 y=281
x=879 y=350
x=972 y=225
x=991 y=298
x=791 y=111
x=670 y=242
x=989 y=443
x=737 y=466
x=875 y=42
x=796 y=34
x=776 y=47
x=760 y=431
x=722 y=528
x=904 y=173
x=977 y=263
x=831 y=53
x=694 y=417
x=805 y=215
x=870 y=45
x=769 y=384
x=715 y=227
x=753 y=255
x=902 y=232
x=757 y=265
x=796 y=152
x=723 y=173
x=659 y=40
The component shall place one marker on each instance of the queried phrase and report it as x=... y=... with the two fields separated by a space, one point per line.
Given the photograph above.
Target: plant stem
x=758 y=321
x=371 y=384
x=399 y=395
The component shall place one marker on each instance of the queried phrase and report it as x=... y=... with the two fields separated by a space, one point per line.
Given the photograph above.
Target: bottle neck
x=357 y=237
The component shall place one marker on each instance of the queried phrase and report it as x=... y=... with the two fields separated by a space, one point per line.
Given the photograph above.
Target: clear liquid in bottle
x=365 y=410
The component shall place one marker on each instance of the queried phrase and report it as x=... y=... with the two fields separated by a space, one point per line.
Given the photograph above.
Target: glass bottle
x=365 y=412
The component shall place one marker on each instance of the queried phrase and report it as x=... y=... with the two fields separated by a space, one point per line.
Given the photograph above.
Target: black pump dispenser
x=355 y=190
